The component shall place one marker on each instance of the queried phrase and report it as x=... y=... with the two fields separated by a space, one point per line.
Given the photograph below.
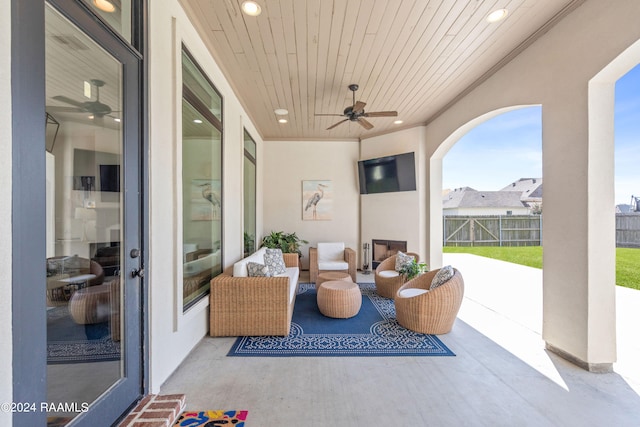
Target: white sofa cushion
x=330 y=252
x=240 y=267
x=292 y=273
x=412 y=292
x=388 y=273
x=207 y=262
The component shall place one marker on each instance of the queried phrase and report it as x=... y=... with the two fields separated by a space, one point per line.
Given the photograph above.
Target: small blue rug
x=374 y=331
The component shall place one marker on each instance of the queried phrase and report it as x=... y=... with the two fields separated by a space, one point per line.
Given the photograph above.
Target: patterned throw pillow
x=275 y=261
x=258 y=270
x=441 y=277
x=402 y=259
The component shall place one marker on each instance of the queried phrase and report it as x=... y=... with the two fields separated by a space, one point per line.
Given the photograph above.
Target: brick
x=179 y=397
x=127 y=421
x=151 y=424
x=141 y=405
x=156 y=415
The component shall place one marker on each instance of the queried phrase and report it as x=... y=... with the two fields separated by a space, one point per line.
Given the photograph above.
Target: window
x=249 y=194
x=201 y=181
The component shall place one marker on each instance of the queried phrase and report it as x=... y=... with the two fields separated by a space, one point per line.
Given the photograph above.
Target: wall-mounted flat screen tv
x=388 y=174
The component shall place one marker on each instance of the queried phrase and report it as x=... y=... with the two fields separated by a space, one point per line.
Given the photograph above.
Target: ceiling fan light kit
x=356 y=112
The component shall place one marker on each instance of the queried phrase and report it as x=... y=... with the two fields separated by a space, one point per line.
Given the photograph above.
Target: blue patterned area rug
x=373 y=332
x=68 y=342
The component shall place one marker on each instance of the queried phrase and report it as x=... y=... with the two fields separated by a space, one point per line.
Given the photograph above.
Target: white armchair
x=331 y=257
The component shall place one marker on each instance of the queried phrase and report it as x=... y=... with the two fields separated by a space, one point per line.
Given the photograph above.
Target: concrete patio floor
x=501 y=375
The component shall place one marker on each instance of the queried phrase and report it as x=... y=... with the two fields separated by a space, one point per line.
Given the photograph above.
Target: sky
x=509 y=147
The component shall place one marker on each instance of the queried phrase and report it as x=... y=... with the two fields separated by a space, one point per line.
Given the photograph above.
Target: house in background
x=522 y=197
x=467 y=201
x=530 y=192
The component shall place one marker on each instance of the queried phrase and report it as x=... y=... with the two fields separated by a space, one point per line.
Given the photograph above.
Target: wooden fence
x=493 y=230
x=522 y=230
x=628 y=230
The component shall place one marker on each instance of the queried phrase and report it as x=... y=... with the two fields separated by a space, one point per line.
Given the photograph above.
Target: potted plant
x=413 y=269
x=249 y=244
x=287 y=242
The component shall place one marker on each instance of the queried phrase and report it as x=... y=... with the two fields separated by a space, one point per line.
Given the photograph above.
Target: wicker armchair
x=321 y=264
x=388 y=283
x=430 y=312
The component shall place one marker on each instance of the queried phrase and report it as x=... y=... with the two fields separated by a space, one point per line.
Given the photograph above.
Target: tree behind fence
x=522 y=230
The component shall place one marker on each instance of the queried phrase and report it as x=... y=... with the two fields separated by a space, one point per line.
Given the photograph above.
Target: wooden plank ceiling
x=413 y=57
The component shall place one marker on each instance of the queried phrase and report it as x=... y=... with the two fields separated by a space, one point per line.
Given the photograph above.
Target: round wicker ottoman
x=90 y=305
x=339 y=299
x=332 y=275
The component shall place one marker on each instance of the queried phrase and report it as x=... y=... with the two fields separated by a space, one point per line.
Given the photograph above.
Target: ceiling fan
x=95 y=108
x=356 y=113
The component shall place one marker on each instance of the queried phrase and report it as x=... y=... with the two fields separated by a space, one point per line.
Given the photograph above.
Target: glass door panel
x=84 y=211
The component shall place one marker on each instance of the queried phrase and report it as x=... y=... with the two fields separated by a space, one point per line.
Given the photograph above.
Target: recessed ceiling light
x=251 y=8
x=198 y=121
x=91 y=117
x=281 y=111
x=115 y=119
x=398 y=122
x=497 y=15
x=282 y=120
x=104 y=5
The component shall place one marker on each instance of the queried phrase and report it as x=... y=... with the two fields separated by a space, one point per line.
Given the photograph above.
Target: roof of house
x=529 y=188
x=469 y=198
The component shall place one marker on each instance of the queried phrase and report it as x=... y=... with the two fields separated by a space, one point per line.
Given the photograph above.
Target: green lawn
x=627 y=260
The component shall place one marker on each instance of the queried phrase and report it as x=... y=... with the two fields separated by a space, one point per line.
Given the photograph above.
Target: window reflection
x=201 y=182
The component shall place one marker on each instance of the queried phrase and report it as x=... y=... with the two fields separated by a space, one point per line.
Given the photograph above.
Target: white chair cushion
x=330 y=252
x=332 y=265
x=412 y=292
x=388 y=273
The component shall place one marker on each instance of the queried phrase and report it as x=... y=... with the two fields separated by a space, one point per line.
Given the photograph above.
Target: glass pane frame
x=249 y=194
x=202 y=195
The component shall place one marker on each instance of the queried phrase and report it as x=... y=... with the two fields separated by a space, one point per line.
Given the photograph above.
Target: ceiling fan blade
x=332 y=115
x=358 y=107
x=69 y=101
x=381 y=114
x=365 y=124
x=64 y=109
x=341 y=121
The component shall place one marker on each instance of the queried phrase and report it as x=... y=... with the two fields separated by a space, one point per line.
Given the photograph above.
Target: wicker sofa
x=251 y=306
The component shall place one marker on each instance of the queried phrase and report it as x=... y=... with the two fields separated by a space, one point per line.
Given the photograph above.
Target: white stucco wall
x=6 y=349
x=172 y=333
x=577 y=167
x=287 y=164
x=398 y=215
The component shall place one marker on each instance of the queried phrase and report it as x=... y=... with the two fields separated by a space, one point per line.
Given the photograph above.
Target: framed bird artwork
x=317 y=200
x=205 y=200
